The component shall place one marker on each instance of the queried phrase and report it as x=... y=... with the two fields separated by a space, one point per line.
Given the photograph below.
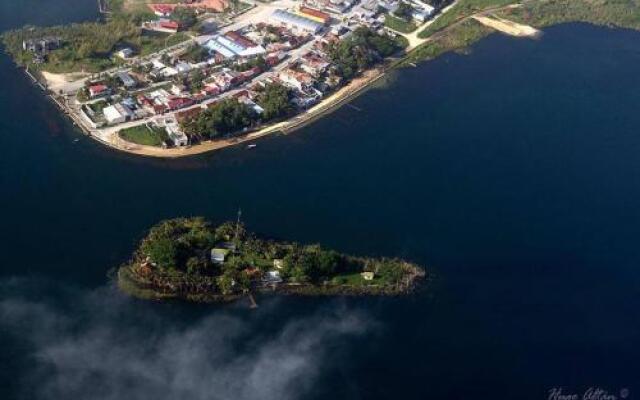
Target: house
x=183 y=67
x=113 y=115
x=367 y=275
x=117 y=114
x=179 y=102
x=124 y=53
x=126 y=80
x=178 y=137
x=297 y=79
x=315 y=15
x=218 y=255
x=314 y=64
x=272 y=277
x=169 y=26
x=98 y=90
x=296 y=21
x=161 y=10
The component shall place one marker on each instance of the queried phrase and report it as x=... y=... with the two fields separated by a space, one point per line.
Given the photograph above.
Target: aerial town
x=265 y=64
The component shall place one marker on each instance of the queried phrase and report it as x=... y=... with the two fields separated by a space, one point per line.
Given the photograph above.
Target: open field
x=542 y=13
x=399 y=25
x=144 y=135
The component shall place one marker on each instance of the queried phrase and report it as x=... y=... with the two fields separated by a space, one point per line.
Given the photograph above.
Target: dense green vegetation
x=144 y=135
x=175 y=258
x=360 y=51
x=457 y=38
x=621 y=13
x=88 y=46
x=462 y=9
x=404 y=11
x=398 y=24
x=184 y=16
x=221 y=119
x=275 y=102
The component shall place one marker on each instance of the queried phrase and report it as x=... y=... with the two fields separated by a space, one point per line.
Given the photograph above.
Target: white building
x=117 y=114
x=296 y=21
x=178 y=137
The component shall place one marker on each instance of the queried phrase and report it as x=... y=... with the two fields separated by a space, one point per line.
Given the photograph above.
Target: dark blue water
x=513 y=173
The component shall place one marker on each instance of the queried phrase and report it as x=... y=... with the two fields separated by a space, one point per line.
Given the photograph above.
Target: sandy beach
x=508 y=27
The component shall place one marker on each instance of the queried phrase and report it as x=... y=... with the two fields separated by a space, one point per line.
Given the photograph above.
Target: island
x=173 y=78
x=193 y=260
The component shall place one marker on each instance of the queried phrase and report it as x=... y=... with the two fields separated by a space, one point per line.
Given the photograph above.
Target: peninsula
x=179 y=77
x=190 y=259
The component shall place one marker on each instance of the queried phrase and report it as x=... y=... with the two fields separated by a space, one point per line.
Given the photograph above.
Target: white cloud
x=102 y=345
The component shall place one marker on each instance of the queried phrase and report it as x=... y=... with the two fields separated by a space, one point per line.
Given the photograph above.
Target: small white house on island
x=367 y=275
x=218 y=255
x=272 y=277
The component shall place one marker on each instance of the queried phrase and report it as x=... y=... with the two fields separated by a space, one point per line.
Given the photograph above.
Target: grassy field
x=398 y=24
x=621 y=13
x=457 y=38
x=144 y=135
x=463 y=9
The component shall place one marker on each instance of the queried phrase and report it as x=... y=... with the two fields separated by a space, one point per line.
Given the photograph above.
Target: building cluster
x=40 y=47
x=290 y=49
x=164 y=12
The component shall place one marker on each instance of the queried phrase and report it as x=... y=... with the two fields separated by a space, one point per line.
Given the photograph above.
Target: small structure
x=98 y=90
x=125 y=53
x=368 y=275
x=296 y=21
x=126 y=80
x=117 y=114
x=272 y=277
x=218 y=255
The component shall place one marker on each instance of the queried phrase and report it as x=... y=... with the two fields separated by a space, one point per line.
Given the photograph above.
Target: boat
x=251 y=146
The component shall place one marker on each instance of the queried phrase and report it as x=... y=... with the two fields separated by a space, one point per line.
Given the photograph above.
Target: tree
x=162 y=251
x=404 y=11
x=185 y=16
x=275 y=102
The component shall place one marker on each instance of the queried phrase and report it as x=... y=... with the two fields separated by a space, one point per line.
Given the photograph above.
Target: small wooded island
x=190 y=259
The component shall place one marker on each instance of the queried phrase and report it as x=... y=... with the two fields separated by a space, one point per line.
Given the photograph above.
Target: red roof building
x=171 y=25
x=97 y=90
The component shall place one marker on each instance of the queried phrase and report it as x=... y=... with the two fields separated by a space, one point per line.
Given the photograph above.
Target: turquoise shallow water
x=511 y=172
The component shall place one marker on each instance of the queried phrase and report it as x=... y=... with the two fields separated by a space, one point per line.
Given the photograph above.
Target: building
x=367 y=275
x=296 y=79
x=125 y=53
x=169 y=26
x=233 y=44
x=126 y=80
x=177 y=136
x=218 y=255
x=41 y=45
x=161 y=10
x=295 y=21
x=272 y=277
x=113 y=116
x=98 y=90
x=117 y=114
x=316 y=15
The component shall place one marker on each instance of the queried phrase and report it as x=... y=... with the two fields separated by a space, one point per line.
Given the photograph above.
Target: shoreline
x=128 y=282
x=325 y=107
x=334 y=101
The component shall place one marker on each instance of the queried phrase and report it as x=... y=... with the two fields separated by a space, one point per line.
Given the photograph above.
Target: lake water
x=512 y=172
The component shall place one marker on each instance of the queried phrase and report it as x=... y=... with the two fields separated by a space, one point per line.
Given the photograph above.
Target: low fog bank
x=100 y=344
